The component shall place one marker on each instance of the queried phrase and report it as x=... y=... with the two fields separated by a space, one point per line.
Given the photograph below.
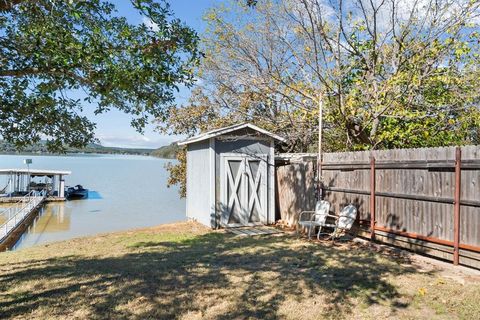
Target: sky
x=113 y=127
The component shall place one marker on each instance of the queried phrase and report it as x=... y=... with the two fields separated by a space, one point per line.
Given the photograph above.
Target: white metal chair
x=345 y=220
x=317 y=218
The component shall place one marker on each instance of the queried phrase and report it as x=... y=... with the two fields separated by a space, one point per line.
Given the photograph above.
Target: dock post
x=61 y=187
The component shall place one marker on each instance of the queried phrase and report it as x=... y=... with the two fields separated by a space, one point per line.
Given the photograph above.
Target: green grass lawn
x=185 y=271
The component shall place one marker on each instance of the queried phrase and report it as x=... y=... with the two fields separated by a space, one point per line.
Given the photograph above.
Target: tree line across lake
x=165 y=152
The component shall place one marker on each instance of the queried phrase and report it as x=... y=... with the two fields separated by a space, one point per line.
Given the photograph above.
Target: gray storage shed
x=231 y=176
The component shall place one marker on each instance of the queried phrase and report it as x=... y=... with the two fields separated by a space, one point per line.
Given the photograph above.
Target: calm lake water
x=130 y=192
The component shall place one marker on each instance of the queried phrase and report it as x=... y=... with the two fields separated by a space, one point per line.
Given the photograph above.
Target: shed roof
x=222 y=131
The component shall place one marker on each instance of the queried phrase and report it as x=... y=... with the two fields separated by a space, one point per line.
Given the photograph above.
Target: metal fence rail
x=19 y=211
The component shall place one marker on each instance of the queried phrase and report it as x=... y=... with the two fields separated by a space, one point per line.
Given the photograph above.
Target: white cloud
x=150 y=24
x=424 y=15
x=422 y=10
x=133 y=141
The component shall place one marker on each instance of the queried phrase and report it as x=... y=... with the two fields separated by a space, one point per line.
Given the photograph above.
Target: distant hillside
x=166 y=152
x=40 y=148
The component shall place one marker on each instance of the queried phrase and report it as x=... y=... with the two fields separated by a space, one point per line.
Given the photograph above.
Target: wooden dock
x=19 y=216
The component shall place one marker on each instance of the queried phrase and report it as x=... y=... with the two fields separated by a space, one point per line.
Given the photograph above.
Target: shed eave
x=222 y=131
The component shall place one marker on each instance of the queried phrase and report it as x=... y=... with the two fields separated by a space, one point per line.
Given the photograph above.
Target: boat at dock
x=76 y=193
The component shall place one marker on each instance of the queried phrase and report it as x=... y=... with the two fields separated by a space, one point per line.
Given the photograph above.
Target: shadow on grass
x=253 y=276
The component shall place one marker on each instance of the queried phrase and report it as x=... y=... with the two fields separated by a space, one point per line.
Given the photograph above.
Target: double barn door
x=243 y=190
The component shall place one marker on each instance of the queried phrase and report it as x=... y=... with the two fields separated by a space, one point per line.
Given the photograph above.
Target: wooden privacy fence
x=426 y=200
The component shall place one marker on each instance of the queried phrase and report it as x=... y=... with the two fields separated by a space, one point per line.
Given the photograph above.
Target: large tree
x=391 y=73
x=56 y=57
x=394 y=73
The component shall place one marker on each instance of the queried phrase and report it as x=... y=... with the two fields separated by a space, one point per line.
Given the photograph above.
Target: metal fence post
x=372 y=197
x=456 y=215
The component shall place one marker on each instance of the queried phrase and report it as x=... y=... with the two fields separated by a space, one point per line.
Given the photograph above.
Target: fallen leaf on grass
x=422 y=291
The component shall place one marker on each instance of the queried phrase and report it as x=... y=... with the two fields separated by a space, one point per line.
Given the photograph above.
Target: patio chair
x=344 y=221
x=316 y=219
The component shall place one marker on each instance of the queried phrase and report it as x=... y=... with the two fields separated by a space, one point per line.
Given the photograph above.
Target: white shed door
x=243 y=183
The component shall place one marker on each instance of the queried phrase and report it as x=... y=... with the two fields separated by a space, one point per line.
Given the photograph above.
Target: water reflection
x=4 y=212
x=52 y=218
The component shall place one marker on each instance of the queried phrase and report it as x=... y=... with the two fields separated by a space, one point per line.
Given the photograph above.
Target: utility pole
x=320 y=158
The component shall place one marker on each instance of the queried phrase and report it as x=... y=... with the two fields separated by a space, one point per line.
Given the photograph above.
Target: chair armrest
x=328 y=215
x=303 y=212
x=333 y=216
x=312 y=217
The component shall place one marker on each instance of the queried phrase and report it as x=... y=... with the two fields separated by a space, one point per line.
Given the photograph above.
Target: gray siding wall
x=250 y=147
x=198 y=183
